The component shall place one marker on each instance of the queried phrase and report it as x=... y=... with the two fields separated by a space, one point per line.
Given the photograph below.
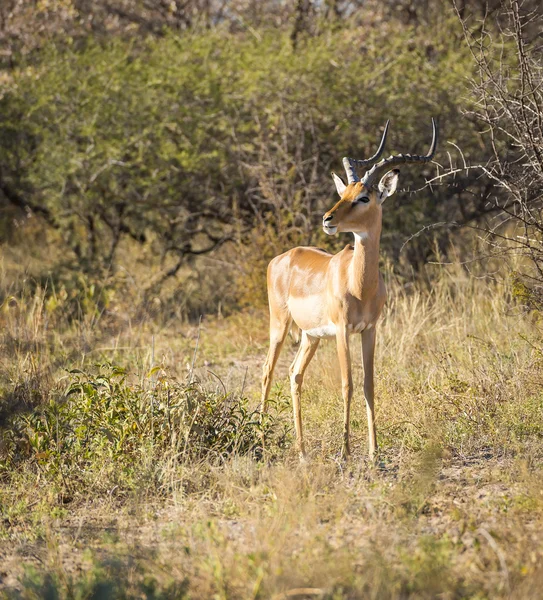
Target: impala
x=336 y=295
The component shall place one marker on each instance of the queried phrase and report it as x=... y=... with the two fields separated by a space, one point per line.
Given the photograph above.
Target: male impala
x=335 y=295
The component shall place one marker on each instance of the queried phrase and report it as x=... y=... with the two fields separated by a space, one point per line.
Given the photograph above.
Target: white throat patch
x=360 y=236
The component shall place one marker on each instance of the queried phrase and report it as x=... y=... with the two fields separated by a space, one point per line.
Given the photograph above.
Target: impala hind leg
x=368 y=351
x=307 y=349
x=344 y=355
x=278 y=333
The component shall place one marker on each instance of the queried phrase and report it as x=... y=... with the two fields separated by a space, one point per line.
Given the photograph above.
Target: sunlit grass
x=453 y=508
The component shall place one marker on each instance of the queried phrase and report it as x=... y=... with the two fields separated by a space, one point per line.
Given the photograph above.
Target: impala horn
x=398 y=159
x=351 y=164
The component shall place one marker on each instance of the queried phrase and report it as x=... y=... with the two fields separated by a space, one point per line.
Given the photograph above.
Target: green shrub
x=188 y=142
x=103 y=419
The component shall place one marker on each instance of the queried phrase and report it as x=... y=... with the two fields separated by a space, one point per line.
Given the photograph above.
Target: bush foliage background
x=188 y=142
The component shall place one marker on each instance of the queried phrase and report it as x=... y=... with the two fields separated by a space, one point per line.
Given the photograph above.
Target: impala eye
x=364 y=199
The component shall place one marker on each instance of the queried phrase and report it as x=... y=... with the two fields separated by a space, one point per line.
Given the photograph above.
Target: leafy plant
x=103 y=418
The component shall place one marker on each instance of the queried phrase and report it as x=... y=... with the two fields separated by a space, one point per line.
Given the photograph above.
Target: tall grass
x=160 y=477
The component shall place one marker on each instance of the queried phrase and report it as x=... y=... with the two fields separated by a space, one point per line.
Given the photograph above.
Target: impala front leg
x=368 y=351
x=344 y=355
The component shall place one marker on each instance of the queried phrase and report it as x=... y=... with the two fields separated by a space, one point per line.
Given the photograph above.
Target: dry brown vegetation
x=453 y=509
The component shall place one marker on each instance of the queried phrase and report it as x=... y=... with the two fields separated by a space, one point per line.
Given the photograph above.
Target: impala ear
x=388 y=185
x=340 y=186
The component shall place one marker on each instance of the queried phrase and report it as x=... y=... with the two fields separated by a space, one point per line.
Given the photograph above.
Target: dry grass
x=454 y=509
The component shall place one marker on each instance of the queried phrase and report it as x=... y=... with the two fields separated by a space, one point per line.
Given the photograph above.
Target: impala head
x=359 y=207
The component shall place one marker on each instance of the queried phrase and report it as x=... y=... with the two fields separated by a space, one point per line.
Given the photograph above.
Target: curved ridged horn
x=351 y=164
x=398 y=159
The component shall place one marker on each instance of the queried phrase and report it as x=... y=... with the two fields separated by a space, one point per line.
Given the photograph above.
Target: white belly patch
x=323 y=331
x=330 y=330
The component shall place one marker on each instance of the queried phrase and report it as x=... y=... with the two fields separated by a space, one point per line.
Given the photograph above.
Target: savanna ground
x=153 y=157
x=142 y=475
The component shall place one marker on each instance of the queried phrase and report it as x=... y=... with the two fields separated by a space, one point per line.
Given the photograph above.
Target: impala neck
x=364 y=267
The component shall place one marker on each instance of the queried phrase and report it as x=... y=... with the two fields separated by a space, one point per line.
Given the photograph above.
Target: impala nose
x=325 y=218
